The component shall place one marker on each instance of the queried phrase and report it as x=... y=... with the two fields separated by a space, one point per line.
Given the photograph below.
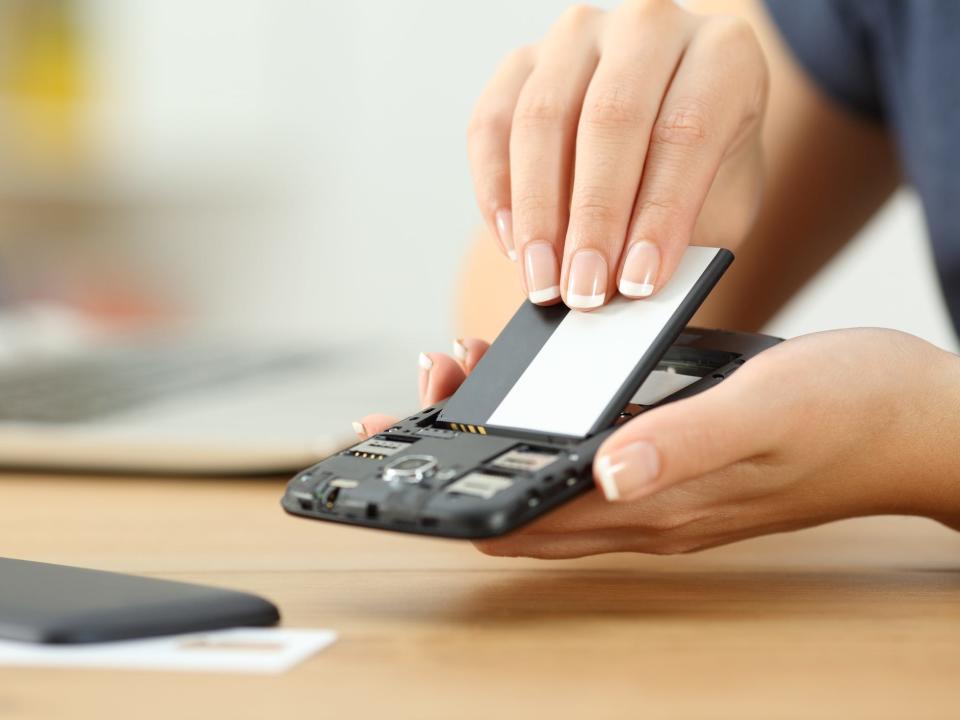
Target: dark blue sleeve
x=832 y=40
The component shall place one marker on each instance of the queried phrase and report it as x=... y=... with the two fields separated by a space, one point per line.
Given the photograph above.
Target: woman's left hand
x=822 y=427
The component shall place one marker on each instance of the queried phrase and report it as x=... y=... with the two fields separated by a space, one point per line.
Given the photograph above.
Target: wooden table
x=856 y=619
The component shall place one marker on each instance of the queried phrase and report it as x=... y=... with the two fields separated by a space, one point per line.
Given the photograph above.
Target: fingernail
x=543 y=275
x=424 y=381
x=504 y=221
x=624 y=473
x=587 y=285
x=359 y=429
x=640 y=270
x=459 y=350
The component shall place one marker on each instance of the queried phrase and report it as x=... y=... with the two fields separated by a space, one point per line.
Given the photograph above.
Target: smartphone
x=432 y=476
x=518 y=437
x=45 y=603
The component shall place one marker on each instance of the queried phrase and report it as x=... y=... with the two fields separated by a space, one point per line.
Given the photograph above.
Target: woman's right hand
x=599 y=154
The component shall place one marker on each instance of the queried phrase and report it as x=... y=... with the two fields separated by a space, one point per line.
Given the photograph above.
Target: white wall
x=884 y=278
x=352 y=114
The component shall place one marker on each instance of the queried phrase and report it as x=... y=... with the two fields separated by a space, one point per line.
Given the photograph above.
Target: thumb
x=684 y=440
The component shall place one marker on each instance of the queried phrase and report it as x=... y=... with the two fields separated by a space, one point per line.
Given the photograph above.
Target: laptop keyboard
x=85 y=387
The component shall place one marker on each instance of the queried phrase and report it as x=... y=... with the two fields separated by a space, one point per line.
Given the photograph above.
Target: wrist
x=930 y=440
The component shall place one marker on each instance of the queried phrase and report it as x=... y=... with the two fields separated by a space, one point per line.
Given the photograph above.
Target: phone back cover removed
x=47 y=603
x=562 y=372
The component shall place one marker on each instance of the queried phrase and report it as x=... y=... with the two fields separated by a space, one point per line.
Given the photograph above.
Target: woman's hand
x=822 y=427
x=617 y=141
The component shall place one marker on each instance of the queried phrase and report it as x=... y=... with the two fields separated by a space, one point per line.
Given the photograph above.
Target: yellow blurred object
x=43 y=80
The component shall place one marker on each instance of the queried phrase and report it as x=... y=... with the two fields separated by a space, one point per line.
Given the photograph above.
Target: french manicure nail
x=459 y=350
x=543 y=274
x=504 y=221
x=640 y=269
x=359 y=429
x=624 y=473
x=587 y=284
x=425 y=364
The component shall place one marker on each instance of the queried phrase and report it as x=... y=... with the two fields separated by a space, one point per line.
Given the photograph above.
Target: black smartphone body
x=433 y=476
x=45 y=603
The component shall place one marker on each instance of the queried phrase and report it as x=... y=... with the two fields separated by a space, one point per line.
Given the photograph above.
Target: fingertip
x=546 y=296
x=605 y=479
x=541 y=272
x=373 y=424
x=587 y=280
x=585 y=303
x=641 y=276
x=425 y=363
x=476 y=349
x=628 y=472
x=635 y=291
x=441 y=379
x=503 y=223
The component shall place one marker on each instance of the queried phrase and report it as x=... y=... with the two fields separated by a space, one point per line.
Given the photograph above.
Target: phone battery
x=562 y=372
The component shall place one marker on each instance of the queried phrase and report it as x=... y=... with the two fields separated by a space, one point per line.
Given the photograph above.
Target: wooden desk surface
x=857 y=619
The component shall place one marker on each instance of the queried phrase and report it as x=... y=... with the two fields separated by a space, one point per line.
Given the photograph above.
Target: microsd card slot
x=379 y=448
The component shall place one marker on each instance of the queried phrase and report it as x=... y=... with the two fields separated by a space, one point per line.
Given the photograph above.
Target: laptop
x=71 y=399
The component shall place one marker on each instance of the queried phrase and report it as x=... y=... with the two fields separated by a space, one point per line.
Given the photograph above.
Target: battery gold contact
x=463 y=427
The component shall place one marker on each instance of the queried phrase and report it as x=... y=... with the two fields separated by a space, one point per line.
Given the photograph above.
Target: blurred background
x=297 y=169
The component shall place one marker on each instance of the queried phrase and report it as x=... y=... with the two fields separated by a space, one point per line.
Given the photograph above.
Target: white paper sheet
x=238 y=650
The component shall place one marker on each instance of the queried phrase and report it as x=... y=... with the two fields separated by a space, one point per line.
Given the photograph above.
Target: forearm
x=826 y=173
